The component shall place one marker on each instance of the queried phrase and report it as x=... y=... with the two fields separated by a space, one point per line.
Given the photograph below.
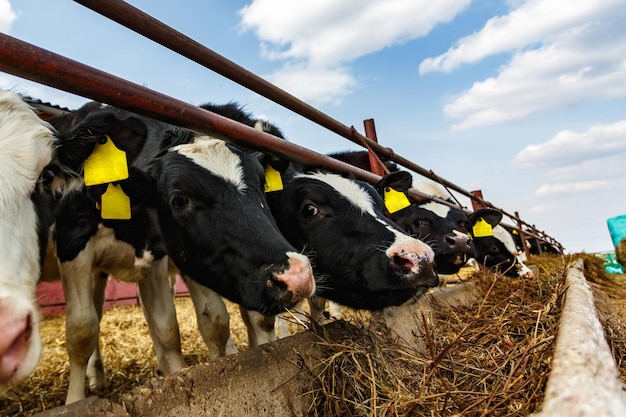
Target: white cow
x=27 y=145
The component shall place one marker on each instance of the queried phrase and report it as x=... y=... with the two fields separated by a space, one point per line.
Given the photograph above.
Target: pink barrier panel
x=49 y=295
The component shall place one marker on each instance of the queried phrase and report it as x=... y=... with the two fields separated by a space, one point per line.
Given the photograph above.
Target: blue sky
x=524 y=100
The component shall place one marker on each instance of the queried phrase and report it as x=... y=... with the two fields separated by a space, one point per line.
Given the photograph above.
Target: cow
x=447 y=228
x=27 y=190
x=361 y=259
x=443 y=227
x=495 y=247
x=193 y=199
x=534 y=245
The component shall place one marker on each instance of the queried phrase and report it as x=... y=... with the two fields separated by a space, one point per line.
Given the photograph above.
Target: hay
x=489 y=360
x=127 y=352
x=492 y=359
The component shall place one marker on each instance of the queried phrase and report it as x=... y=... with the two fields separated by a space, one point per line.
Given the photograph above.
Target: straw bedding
x=491 y=359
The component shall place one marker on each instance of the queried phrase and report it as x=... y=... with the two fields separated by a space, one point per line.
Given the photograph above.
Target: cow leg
x=213 y=319
x=82 y=324
x=281 y=326
x=260 y=327
x=334 y=310
x=95 y=366
x=155 y=295
x=317 y=306
x=295 y=315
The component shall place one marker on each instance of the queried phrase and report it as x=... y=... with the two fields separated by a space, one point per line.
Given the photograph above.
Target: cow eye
x=310 y=210
x=178 y=200
x=421 y=223
x=421 y=227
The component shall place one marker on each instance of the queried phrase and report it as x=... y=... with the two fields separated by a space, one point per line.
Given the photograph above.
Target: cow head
x=495 y=247
x=443 y=228
x=27 y=146
x=217 y=226
x=78 y=134
x=212 y=214
x=361 y=259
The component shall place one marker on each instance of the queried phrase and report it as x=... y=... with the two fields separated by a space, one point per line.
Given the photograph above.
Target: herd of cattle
x=101 y=191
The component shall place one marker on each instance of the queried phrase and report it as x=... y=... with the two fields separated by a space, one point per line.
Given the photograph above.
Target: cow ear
x=279 y=164
x=141 y=188
x=491 y=216
x=175 y=136
x=399 y=181
x=128 y=134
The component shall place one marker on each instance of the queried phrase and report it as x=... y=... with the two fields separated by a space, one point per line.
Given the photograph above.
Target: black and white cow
x=533 y=244
x=443 y=227
x=193 y=198
x=495 y=247
x=27 y=145
x=446 y=229
x=361 y=259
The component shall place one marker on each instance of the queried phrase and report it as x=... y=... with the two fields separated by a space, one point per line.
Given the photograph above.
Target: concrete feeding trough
x=273 y=379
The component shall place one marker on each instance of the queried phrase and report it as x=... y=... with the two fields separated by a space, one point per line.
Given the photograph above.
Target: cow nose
x=14 y=344
x=294 y=283
x=413 y=261
x=458 y=242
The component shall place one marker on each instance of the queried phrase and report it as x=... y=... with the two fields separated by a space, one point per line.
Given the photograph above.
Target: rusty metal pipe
x=47 y=68
x=36 y=64
x=28 y=61
x=148 y=26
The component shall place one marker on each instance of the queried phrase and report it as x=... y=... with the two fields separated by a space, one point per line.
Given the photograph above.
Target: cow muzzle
x=294 y=283
x=20 y=345
x=414 y=263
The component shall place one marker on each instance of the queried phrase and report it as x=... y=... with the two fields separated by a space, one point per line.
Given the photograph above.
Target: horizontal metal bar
x=28 y=61
x=146 y=25
x=36 y=64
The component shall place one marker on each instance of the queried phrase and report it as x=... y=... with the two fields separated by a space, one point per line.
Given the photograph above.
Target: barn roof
x=45 y=110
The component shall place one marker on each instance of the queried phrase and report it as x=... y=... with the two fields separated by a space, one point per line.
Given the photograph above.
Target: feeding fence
x=28 y=61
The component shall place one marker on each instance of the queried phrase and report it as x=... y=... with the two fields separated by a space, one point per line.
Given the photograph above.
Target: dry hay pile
x=492 y=359
x=127 y=352
x=489 y=360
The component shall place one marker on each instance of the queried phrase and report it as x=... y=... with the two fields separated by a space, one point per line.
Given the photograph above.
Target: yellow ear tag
x=106 y=163
x=115 y=204
x=395 y=200
x=273 y=181
x=482 y=228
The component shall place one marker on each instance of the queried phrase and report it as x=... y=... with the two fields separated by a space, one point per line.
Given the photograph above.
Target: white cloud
x=320 y=85
x=543 y=208
x=560 y=58
x=610 y=168
x=318 y=36
x=326 y=32
x=579 y=163
x=568 y=147
x=584 y=187
x=7 y=16
x=531 y=21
